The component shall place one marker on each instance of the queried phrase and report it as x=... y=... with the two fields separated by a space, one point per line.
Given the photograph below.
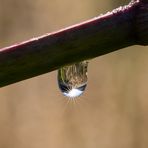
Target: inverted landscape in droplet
x=72 y=79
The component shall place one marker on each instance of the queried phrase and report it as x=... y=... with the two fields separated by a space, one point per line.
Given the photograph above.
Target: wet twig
x=120 y=28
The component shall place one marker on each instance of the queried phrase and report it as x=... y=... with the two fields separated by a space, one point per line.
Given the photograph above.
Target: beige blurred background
x=112 y=113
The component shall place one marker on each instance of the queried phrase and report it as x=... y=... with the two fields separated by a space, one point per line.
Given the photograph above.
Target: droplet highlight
x=72 y=79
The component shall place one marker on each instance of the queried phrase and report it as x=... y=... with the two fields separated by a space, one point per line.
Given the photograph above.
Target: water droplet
x=72 y=79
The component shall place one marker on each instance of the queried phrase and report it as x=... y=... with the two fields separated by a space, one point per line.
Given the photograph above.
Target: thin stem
x=96 y=37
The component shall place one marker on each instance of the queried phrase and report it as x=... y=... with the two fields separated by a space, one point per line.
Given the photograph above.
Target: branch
x=96 y=37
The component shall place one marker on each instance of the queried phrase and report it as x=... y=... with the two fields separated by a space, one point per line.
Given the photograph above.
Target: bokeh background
x=112 y=113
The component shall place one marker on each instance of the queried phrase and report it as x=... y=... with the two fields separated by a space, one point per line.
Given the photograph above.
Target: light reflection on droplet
x=72 y=79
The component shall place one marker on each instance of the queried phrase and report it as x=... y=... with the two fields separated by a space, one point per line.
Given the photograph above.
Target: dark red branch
x=99 y=36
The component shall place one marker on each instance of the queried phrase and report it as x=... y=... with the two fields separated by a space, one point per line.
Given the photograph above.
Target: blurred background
x=112 y=113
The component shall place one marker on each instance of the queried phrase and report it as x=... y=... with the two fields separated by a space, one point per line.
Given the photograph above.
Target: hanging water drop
x=72 y=79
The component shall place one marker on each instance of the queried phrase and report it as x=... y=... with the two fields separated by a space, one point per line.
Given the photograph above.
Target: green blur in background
x=112 y=113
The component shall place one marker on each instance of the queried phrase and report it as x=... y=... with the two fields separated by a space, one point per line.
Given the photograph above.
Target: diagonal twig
x=95 y=37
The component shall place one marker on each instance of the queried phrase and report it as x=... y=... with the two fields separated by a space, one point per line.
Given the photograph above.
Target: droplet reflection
x=72 y=79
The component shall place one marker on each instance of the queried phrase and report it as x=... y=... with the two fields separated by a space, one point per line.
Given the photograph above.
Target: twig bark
x=98 y=36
